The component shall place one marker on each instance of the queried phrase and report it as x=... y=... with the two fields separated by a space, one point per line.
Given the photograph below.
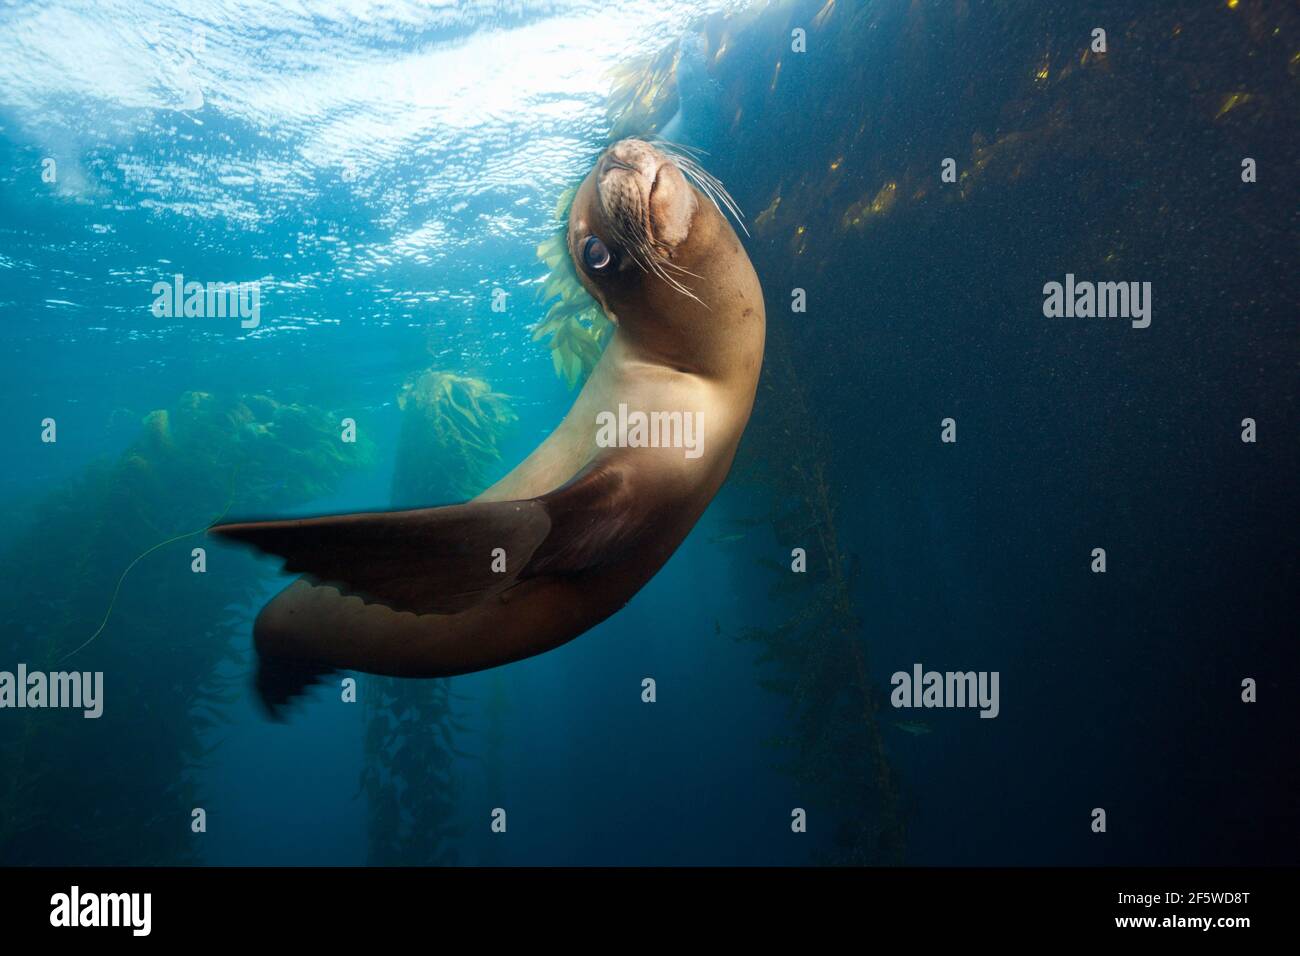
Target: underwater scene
x=969 y=330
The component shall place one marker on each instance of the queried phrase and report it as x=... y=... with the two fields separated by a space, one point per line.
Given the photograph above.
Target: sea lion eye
x=596 y=255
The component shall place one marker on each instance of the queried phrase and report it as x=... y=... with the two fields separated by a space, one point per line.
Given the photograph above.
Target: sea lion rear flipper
x=444 y=560
x=279 y=680
x=433 y=562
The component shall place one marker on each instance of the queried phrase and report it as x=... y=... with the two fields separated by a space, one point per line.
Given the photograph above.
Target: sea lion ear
x=672 y=206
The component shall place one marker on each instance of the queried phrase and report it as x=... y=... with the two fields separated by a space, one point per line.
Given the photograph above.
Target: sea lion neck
x=718 y=330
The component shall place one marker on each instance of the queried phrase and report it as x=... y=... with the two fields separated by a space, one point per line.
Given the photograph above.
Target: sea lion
x=699 y=98
x=566 y=538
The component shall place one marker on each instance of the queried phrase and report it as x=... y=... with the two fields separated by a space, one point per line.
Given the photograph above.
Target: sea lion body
x=582 y=526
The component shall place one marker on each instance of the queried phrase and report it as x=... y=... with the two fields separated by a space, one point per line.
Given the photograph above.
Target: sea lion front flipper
x=429 y=560
x=433 y=562
x=444 y=560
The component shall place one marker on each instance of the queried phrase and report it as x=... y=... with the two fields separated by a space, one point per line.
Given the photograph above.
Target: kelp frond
x=451 y=427
x=574 y=327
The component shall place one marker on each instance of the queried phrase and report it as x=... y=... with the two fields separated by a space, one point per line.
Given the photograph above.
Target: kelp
x=815 y=654
x=643 y=94
x=407 y=772
x=851 y=163
x=852 y=177
x=450 y=435
x=494 y=752
x=75 y=789
x=574 y=327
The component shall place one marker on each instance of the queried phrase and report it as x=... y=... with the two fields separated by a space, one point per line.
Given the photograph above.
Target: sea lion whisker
x=710 y=185
x=717 y=191
x=680 y=149
x=657 y=265
x=632 y=243
x=642 y=255
x=717 y=188
x=681 y=269
x=660 y=269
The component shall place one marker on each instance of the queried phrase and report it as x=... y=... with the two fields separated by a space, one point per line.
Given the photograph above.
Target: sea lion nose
x=635 y=155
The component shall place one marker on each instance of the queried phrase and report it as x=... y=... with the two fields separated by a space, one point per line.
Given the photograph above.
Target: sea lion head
x=649 y=241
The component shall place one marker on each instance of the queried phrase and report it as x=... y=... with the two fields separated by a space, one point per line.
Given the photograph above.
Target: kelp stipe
x=834 y=742
x=407 y=776
x=816 y=656
x=449 y=441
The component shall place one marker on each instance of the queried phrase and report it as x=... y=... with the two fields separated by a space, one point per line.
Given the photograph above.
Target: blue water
x=380 y=169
